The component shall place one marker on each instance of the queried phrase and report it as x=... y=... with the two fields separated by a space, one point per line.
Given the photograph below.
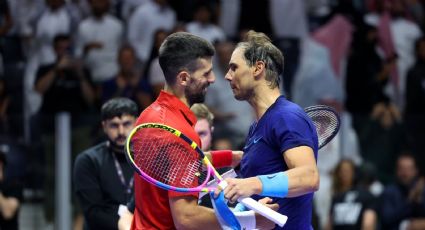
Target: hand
x=64 y=62
x=237 y=188
x=416 y=193
x=261 y=221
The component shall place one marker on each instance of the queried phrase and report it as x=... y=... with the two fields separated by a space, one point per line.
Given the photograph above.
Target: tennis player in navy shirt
x=280 y=153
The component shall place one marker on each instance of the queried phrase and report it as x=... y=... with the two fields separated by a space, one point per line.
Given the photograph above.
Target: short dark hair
x=117 y=107
x=257 y=46
x=60 y=37
x=180 y=51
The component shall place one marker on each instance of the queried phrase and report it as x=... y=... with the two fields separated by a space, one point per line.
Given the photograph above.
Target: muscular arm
x=369 y=220
x=303 y=175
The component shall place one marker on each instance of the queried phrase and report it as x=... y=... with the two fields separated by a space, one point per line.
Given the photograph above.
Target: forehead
x=123 y=118
x=202 y=124
x=237 y=55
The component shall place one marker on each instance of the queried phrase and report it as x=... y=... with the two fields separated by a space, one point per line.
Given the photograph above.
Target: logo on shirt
x=255 y=140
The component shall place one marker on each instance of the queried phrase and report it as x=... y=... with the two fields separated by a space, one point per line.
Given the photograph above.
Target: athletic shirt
x=282 y=127
x=152 y=203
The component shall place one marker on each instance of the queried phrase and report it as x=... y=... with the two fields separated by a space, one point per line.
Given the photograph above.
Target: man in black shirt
x=103 y=179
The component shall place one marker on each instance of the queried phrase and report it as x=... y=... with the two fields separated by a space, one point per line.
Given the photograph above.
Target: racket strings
x=166 y=158
x=326 y=123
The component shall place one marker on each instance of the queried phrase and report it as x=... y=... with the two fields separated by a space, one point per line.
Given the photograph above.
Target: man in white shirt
x=145 y=21
x=99 y=39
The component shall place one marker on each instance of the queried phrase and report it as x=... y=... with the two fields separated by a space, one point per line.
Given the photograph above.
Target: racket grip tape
x=261 y=209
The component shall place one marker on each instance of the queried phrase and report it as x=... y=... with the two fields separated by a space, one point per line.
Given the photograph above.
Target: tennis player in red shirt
x=186 y=61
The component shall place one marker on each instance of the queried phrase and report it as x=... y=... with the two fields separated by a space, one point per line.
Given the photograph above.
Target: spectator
x=10 y=199
x=403 y=202
x=5 y=18
x=65 y=86
x=128 y=82
x=54 y=20
x=146 y=19
x=153 y=70
x=415 y=101
x=98 y=41
x=103 y=179
x=203 y=25
x=352 y=207
x=4 y=104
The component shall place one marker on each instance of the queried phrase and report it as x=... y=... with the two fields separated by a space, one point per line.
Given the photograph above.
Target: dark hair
x=258 y=47
x=117 y=107
x=60 y=37
x=180 y=51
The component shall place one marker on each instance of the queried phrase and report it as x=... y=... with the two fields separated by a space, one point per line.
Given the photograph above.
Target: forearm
x=187 y=214
x=45 y=82
x=88 y=92
x=302 y=180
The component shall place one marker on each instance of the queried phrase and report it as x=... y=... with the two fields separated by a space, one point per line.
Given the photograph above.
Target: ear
x=183 y=78
x=104 y=126
x=259 y=68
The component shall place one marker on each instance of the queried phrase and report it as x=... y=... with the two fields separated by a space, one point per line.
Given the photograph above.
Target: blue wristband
x=274 y=185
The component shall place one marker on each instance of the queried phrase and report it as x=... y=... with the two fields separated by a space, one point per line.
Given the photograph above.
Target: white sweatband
x=122 y=209
x=246 y=219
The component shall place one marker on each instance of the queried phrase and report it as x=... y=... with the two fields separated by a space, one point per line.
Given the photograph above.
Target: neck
x=263 y=98
x=179 y=93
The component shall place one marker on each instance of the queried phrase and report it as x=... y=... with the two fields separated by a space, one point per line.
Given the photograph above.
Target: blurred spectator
x=54 y=20
x=202 y=24
x=128 y=7
x=148 y=18
x=102 y=177
x=392 y=16
x=232 y=118
x=128 y=82
x=415 y=101
x=352 y=207
x=10 y=198
x=228 y=17
x=65 y=86
x=98 y=41
x=403 y=202
x=376 y=119
x=4 y=104
x=153 y=71
x=5 y=18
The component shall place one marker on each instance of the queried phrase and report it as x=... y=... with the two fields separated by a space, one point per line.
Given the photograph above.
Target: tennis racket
x=326 y=120
x=167 y=158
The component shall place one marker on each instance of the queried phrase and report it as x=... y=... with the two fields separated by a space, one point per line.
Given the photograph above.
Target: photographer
x=64 y=86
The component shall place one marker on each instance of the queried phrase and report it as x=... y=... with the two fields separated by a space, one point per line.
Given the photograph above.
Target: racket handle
x=265 y=211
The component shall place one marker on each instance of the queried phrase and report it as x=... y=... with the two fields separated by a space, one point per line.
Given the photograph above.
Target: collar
x=175 y=104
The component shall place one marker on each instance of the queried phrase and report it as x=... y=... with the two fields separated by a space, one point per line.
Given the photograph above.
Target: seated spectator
x=403 y=202
x=128 y=82
x=10 y=196
x=352 y=207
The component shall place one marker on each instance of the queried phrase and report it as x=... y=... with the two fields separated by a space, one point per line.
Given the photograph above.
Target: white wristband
x=246 y=219
x=122 y=209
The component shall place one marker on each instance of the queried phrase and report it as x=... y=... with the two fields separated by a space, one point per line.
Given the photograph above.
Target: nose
x=228 y=76
x=211 y=79
x=121 y=130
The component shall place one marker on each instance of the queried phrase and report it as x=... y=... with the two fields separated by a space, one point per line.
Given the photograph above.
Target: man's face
x=199 y=81
x=117 y=129
x=203 y=129
x=240 y=76
x=406 y=170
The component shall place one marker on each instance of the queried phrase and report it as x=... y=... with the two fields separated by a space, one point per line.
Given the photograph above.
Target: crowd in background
x=365 y=58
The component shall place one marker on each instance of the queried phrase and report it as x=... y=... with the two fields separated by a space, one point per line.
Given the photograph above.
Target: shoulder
x=92 y=154
x=286 y=111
